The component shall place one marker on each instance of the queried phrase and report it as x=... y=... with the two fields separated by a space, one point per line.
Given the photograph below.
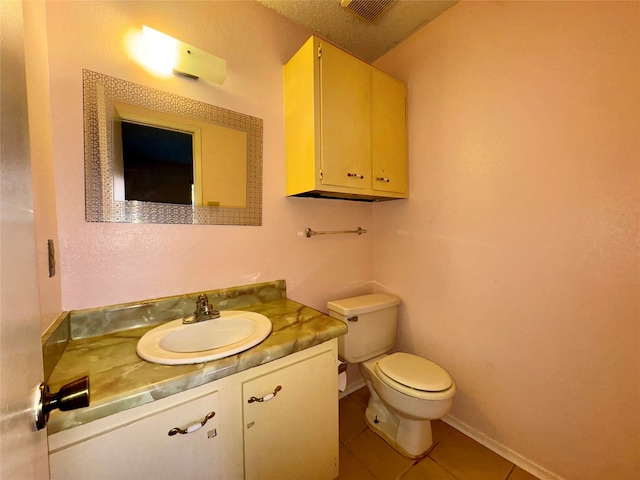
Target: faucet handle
x=203 y=310
x=202 y=303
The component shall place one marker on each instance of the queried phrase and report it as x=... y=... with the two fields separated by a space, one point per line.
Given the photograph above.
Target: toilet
x=407 y=391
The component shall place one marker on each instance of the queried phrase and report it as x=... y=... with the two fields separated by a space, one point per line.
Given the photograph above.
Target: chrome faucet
x=202 y=313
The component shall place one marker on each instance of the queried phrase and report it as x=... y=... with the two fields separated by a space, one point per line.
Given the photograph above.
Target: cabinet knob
x=383 y=179
x=267 y=397
x=356 y=175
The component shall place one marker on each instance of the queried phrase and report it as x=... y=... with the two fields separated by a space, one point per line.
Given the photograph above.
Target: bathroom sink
x=174 y=343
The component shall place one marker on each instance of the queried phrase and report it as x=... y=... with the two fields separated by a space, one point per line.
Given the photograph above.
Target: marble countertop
x=120 y=380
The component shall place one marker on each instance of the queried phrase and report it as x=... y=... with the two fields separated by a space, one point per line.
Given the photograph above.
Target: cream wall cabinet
x=346 y=130
x=294 y=433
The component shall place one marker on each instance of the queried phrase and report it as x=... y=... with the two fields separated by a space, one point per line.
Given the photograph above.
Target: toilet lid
x=415 y=372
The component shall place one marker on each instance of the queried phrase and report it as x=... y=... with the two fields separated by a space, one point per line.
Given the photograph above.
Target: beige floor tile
x=427 y=469
x=382 y=460
x=439 y=429
x=361 y=396
x=351 y=419
x=351 y=468
x=520 y=474
x=469 y=460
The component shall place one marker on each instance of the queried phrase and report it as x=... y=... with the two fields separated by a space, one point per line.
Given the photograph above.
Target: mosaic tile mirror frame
x=99 y=94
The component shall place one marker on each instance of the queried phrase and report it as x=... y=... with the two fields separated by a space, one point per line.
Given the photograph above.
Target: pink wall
x=516 y=254
x=103 y=264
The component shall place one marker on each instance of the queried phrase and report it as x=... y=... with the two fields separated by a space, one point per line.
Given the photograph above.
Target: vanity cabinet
x=346 y=127
x=293 y=434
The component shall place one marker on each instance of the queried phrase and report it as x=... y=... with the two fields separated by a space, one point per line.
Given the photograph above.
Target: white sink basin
x=174 y=343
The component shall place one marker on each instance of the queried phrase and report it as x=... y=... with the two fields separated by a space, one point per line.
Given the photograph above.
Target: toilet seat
x=413 y=375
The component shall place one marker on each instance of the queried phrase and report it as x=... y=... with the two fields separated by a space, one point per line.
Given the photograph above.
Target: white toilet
x=407 y=391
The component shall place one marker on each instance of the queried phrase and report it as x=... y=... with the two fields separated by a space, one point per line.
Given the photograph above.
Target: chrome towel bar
x=309 y=233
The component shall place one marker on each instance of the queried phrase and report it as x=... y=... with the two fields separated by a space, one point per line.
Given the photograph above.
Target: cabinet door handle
x=383 y=179
x=267 y=397
x=357 y=175
x=192 y=428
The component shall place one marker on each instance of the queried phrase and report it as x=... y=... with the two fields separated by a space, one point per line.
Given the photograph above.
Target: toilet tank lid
x=363 y=304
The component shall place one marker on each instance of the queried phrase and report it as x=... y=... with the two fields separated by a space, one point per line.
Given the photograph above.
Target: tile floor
x=365 y=456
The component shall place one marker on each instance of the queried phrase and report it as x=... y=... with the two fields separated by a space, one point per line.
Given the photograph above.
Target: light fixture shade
x=165 y=55
x=195 y=62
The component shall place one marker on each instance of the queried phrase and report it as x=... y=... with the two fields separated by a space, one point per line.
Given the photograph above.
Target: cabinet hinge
x=320 y=52
x=320 y=174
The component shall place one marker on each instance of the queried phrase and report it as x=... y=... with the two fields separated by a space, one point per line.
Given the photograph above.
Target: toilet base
x=410 y=438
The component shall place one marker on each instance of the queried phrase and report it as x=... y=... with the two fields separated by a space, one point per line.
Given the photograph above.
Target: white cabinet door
x=144 y=449
x=294 y=434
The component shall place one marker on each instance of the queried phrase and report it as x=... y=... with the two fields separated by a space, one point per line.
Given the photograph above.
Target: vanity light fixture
x=164 y=55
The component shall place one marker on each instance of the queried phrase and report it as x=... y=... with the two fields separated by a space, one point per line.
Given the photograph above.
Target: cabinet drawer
x=144 y=448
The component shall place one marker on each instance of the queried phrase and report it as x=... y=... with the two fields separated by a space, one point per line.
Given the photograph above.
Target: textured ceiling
x=343 y=28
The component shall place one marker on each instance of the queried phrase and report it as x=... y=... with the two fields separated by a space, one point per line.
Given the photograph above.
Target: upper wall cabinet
x=346 y=127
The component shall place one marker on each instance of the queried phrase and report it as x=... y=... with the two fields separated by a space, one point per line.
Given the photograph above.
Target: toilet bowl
x=407 y=391
x=401 y=413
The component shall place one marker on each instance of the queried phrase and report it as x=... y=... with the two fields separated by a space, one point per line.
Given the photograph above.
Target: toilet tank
x=372 y=325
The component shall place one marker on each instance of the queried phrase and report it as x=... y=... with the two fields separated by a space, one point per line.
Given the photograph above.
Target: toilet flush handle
x=352 y=319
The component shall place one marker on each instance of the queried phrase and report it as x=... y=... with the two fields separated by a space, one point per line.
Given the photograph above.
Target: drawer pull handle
x=267 y=397
x=383 y=179
x=192 y=428
x=357 y=175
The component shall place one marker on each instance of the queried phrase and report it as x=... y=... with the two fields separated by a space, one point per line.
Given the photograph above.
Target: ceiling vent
x=367 y=10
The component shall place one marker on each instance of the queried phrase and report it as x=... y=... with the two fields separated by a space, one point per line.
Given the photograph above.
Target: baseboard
x=522 y=462
x=352 y=387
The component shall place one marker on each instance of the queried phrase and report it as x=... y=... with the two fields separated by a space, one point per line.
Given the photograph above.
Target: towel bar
x=309 y=233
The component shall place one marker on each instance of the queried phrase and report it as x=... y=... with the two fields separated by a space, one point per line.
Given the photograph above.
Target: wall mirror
x=155 y=157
